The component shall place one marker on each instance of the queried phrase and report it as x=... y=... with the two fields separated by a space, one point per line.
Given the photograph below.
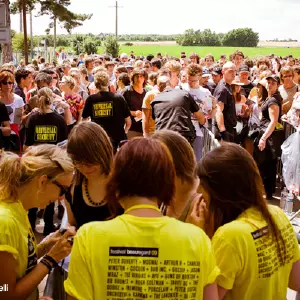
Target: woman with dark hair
x=134 y=96
x=254 y=243
x=271 y=135
x=186 y=181
x=139 y=255
x=92 y=158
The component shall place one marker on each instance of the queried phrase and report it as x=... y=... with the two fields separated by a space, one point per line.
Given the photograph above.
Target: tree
x=78 y=44
x=209 y=38
x=18 y=42
x=90 y=46
x=7 y=48
x=241 y=37
x=112 y=46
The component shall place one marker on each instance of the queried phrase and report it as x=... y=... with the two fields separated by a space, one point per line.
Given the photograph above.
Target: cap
x=264 y=83
x=274 y=77
x=205 y=73
x=216 y=71
x=243 y=68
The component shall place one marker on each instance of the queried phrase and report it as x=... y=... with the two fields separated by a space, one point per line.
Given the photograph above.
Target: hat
x=236 y=82
x=205 y=73
x=243 y=68
x=274 y=77
x=264 y=83
x=216 y=71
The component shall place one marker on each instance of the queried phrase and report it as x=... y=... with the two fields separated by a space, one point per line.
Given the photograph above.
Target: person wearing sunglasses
x=15 y=108
x=40 y=177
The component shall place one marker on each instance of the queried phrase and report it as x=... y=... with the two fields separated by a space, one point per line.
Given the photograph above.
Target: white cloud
x=271 y=18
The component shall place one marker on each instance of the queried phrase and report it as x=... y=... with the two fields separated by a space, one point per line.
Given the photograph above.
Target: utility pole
x=31 y=36
x=117 y=17
x=25 y=32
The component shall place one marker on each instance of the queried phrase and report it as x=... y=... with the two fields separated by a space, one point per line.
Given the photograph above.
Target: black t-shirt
x=275 y=99
x=135 y=102
x=4 y=117
x=48 y=128
x=246 y=89
x=172 y=110
x=211 y=86
x=84 y=213
x=223 y=93
x=20 y=92
x=108 y=110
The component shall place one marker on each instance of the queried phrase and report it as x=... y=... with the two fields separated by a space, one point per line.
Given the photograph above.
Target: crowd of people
x=119 y=142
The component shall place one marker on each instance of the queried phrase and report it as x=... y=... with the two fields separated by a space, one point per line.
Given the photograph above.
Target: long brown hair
x=89 y=143
x=232 y=180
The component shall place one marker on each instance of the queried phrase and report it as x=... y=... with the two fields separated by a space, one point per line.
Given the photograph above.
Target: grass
x=174 y=50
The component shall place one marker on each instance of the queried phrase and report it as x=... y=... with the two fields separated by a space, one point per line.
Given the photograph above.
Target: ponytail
x=45 y=99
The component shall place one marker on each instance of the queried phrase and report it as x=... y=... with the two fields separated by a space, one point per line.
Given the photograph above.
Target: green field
x=174 y=50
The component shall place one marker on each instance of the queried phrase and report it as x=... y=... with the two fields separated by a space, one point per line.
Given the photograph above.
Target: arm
x=222 y=292
x=71 y=218
x=68 y=115
x=5 y=128
x=79 y=116
x=199 y=115
x=145 y=121
x=274 y=114
x=294 y=279
x=210 y=292
x=220 y=116
x=127 y=124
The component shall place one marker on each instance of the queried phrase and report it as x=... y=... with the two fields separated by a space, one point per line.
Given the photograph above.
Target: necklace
x=89 y=197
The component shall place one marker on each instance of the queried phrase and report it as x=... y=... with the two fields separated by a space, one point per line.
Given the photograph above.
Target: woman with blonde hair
x=41 y=176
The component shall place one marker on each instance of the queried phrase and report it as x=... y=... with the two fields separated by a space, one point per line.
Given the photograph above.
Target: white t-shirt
x=12 y=109
x=199 y=95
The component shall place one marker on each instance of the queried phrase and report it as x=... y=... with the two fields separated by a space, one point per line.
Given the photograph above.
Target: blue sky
x=271 y=18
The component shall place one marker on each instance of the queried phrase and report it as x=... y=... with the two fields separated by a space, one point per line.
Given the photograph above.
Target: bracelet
x=263 y=139
x=52 y=260
x=46 y=264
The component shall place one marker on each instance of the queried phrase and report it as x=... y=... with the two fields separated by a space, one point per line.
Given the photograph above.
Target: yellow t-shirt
x=147 y=105
x=248 y=260
x=140 y=258
x=17 y=238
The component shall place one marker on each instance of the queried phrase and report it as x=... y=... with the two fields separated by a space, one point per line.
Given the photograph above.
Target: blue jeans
x=197 y=147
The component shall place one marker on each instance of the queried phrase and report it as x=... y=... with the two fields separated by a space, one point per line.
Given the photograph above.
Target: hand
x=214 y=101
x=227 y=136
x=62 y=104
x=199 y=213
x=261 y=144
x=35 y=110
x=62 y=247
x=138 y=114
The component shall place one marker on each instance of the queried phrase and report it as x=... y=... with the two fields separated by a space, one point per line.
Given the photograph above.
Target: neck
x=25 y=196
x=129 y=202
x=288 y=85
x=21 y=85
x=104 y=89
x=138 y=86
x=68 y=93
x=6 y=96
x=228 y=81
x=94 y=179
x=184 y=191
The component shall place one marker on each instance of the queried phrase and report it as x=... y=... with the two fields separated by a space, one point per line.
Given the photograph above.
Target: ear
x=42 y=181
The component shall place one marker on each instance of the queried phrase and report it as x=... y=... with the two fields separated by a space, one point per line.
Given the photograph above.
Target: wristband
x=46 y=264
x=52 y=260
x=263 y=139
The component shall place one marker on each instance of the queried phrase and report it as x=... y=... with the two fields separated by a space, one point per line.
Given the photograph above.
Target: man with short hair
x=216 y=75
x=238 y=58
x=89 y=65
x=24 y=80
x=244 y=74
x=204 y=81
x=124 y=58
x=172 y=109
x=110 y=66
x=226 y=115
x=296 y=70
x=155 y=64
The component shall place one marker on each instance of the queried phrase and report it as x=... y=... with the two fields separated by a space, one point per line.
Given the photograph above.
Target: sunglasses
x=55 y=77
x=63 y=189
x=7 y=83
